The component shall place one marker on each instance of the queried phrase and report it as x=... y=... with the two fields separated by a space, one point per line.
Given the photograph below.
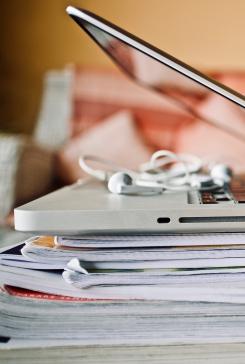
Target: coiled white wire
x=165 y=169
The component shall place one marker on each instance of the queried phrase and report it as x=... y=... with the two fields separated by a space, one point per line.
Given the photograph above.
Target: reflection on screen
x=185 y=92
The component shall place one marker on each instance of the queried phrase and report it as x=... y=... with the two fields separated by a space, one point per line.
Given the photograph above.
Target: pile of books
x=124 y=291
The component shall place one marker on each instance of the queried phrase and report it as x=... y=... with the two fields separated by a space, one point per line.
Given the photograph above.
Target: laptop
x=87 y=207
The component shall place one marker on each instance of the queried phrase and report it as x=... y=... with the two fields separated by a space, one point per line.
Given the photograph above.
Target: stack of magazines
x=124 y=291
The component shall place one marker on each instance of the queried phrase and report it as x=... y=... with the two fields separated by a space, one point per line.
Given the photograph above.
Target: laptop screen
x=185 y=92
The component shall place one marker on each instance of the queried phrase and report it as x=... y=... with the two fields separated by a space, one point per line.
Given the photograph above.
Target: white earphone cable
x=151 y=174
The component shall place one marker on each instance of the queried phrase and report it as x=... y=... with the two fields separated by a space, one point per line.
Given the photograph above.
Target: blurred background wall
x=37 y=35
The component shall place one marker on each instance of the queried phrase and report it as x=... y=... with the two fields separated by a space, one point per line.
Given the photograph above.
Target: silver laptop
x=88 y=207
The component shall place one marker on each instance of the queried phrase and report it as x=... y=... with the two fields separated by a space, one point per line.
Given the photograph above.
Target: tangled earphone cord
x=151 y=173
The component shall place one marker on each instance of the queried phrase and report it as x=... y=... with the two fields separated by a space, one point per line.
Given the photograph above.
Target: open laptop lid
x=161 y=72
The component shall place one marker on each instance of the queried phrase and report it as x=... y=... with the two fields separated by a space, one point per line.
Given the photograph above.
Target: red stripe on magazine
x=26 y=293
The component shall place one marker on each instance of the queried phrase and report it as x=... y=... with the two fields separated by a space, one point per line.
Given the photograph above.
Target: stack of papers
x=127 y=290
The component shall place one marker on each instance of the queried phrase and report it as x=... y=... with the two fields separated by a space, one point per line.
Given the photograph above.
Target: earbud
x=221 y=174
x=123 y=183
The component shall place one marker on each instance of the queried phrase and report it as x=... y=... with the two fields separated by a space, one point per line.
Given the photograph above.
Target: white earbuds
x=221 y=174
x=123 y=183
x=184 y=172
